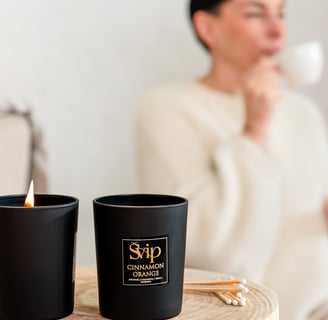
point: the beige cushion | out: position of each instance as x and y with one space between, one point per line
15 154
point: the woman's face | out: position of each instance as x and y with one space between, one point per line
245 30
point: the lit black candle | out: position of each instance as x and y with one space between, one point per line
37 253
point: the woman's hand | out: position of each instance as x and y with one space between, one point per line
261 91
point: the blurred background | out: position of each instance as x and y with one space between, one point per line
84 66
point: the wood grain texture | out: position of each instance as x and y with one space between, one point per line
262 303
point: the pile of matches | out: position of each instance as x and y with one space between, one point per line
229 291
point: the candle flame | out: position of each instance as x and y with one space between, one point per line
29 201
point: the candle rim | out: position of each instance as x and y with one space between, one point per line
179 201
71 201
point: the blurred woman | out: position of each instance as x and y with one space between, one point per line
251 158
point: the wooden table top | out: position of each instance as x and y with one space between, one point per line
262 303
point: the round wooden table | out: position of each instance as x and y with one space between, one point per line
262 303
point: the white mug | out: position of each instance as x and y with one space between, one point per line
302 64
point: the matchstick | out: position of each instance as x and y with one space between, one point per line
223 297
237 299
234 300
212 289
217 282
244 289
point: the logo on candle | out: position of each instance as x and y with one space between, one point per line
147 252
29 201
145 261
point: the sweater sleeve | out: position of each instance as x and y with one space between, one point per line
320 141
313 123
233 189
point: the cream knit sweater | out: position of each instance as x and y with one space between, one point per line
252 213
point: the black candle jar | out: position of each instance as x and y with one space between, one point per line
37 254
140 244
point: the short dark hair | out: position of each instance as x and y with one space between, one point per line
203 5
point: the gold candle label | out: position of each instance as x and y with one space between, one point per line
144 261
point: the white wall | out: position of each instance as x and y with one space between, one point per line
308 21
85 64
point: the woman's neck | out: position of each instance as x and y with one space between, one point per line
223 77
